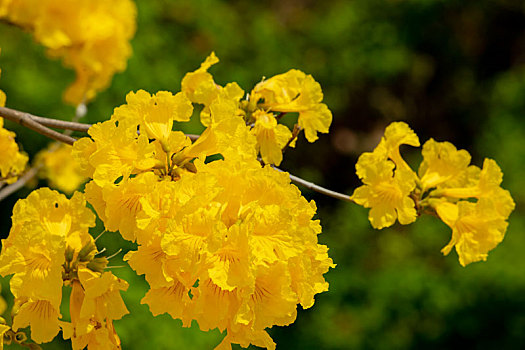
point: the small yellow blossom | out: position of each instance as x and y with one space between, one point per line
94 303
42 316
271 137
199 85
124 203
155 114
477 228
397 134
294 91
118 153
388 180
385 191
443 165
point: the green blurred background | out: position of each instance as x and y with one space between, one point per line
454 70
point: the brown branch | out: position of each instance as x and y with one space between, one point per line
8 190
49 122
61 124
26 119
37 124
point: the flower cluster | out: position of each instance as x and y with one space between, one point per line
59 168
92 37
49 246
12 161
290 92
468 199
221 239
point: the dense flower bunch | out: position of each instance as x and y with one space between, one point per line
92 37
60 169
12 161
291 92
228 243
468 199
224 238
49 246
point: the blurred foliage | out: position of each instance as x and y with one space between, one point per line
454 70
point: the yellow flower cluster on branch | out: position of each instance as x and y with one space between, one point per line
228 243
91 37
12 161
468 199
49 246
291 92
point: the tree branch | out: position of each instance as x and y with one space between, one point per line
37 124
26 119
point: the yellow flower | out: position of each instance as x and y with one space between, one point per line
122 203
102 295
48 233
3 328
479 184
91 37
200 88
94 303
12 161
385 191
42 316
60 169
150 260
295 91
34 250
271 137
155 114
443 165
118 152
236 235
397 134
199 85
477 228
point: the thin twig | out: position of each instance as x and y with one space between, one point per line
317 188
26 119
8 190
